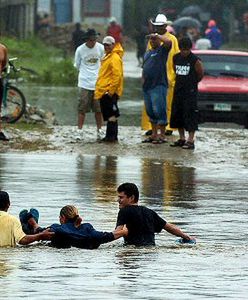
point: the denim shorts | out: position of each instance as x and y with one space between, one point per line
155 103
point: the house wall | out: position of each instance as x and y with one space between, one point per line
17 18
73 11
76 11
117 10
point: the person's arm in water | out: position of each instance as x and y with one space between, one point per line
42 236
173 229
120 231
199 70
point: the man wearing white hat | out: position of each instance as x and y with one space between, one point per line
159 26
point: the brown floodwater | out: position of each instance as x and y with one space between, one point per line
208 202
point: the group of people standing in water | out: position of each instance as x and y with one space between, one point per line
137 224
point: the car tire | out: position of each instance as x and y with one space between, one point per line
246 122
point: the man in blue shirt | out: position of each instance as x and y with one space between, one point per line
155 85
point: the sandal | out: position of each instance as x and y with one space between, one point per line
163 140
178 143
159 141
148 140
189 145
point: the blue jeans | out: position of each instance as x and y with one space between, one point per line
155 103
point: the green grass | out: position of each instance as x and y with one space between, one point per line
48 62
30 127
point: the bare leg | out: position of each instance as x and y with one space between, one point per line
162 131
191 136
154 131
181 133
99 121
81 118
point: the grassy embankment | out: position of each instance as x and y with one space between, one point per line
51 68
48 62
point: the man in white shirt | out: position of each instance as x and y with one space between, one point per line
87 60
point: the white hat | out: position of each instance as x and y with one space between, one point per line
160 20
108 40
112 19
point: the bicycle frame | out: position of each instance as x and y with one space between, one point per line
13 102
6 80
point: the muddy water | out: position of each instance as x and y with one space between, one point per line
212 205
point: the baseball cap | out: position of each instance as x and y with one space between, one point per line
108 40
160 20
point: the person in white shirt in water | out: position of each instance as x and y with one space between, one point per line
87 61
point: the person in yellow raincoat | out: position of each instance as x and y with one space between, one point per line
160 25
109 88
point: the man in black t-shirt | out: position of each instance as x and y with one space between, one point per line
142 222
184 114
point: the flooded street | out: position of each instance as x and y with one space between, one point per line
202 191
205 202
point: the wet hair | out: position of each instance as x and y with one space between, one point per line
185 43
4 200
71 214
129 189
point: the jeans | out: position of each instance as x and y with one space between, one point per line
155 103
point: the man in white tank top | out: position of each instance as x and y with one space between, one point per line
87 60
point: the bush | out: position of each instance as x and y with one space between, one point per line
37 58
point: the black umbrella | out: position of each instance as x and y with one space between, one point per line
191 10
187 22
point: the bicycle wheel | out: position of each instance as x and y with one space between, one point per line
15 105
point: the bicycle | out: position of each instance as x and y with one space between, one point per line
13 102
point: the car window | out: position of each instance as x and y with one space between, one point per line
217 64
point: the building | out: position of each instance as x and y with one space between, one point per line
83 11
17 17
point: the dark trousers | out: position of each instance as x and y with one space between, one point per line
112 131
109 108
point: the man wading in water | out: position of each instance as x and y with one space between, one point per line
142 223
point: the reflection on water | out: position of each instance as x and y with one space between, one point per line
99 174
165 184
210 205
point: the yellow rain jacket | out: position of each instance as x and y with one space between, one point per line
119 49
171 76
110 76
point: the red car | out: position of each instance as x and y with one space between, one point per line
223 91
